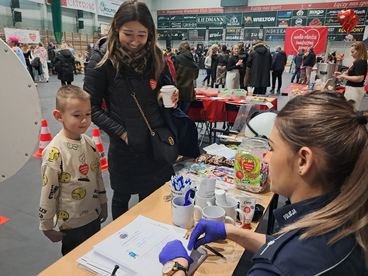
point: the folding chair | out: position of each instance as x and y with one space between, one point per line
231 111
203 126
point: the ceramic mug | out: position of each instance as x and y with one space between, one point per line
215 213
182 216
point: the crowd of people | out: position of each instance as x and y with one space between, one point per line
42 61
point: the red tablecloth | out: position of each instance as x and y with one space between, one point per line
214 109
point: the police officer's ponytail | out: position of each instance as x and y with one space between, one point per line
327 122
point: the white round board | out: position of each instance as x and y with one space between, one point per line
20 113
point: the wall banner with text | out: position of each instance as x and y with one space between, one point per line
297 38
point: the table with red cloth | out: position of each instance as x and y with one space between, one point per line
215 111
294 88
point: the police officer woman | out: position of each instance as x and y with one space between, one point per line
318 158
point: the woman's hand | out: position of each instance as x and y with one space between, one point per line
175 98
212 230
124 137
174 250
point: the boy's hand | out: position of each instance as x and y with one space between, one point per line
103 214
54 236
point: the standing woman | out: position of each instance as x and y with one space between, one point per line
233 66
129 61
207 66
41 52
322 168
356 74
64 65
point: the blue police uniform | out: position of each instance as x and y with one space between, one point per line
286 254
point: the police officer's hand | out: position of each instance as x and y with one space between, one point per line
212 230
173 250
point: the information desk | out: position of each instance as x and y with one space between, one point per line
156 208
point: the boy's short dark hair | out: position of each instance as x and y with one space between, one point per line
67 92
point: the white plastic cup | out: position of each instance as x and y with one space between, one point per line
220 197
167 92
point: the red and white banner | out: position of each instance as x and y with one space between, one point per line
25 36
297 38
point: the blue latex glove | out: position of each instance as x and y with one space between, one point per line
212 230
172 250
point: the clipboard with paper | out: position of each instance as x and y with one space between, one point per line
135 248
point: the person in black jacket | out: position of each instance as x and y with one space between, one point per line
186 73
234 64
128 62
309 61
258 68
298 62
278 66
64 65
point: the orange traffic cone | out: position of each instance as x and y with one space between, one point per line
97 139
45 138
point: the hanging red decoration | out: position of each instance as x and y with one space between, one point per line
348 20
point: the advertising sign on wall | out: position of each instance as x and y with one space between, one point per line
234 20
84 5
255 19
215 34
297 38
25 36
107 7
232 34
210 20
197 34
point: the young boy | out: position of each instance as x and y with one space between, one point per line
73 197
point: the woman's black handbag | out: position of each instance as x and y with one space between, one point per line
163 141
184 130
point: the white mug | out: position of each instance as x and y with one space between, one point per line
182 216
215 213
204 201
231 207
167 92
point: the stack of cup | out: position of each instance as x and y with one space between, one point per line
205 195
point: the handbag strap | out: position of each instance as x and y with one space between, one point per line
132 93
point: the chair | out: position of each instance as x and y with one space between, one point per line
200 118
231 111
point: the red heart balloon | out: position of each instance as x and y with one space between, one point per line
348 20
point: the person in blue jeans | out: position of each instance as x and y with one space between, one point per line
298 62
322 168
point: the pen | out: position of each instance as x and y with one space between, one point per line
214 251
114 271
